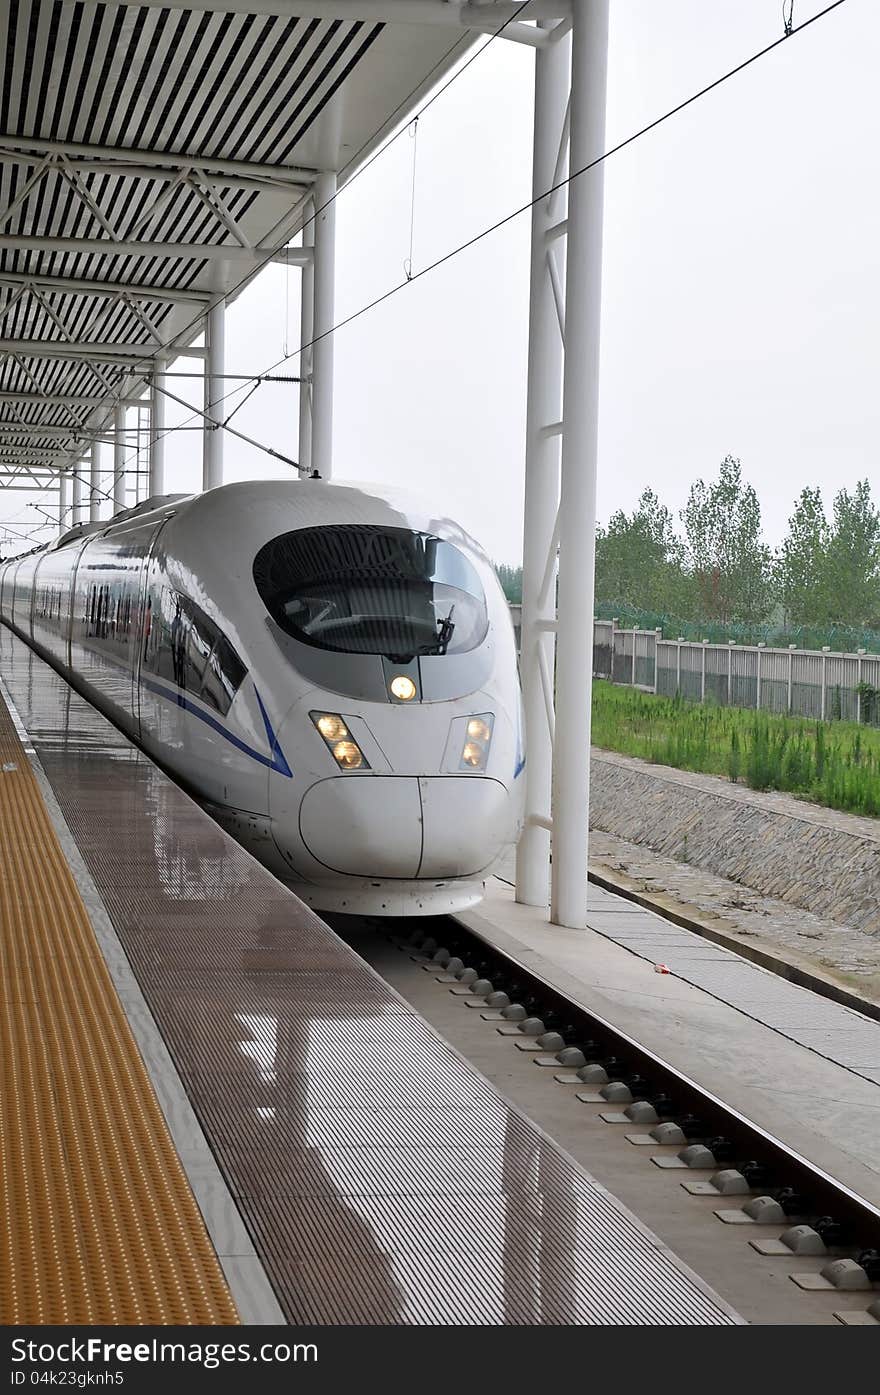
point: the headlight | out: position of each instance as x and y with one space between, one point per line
331 727
403 688
478 739
348 755
478 729
339 741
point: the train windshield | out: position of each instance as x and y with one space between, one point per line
363 589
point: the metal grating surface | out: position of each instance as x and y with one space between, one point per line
382 1178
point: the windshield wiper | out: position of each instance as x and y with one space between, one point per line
445 631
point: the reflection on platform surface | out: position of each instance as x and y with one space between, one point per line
382 1178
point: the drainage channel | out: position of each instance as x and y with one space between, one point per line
782 1241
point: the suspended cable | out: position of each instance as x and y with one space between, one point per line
559 184
485 232
414 136
358 172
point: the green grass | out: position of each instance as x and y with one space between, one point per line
836 764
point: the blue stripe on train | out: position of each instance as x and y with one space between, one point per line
276 761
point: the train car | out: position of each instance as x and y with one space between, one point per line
330 670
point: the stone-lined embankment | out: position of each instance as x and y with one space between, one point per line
817 859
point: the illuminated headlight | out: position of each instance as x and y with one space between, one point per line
348 755
477 740
403 688
331 727
339 741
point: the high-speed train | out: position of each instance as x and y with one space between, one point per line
329 670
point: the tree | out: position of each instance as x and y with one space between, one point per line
802 566
854 558
729 563
639 558
511 581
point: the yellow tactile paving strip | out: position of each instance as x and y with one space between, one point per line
100 1223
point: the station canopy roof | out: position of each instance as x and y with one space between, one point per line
153 155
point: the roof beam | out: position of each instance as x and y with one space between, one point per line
153 164
72 285
50 452
129 355
485 18
60 399
183 251
70 434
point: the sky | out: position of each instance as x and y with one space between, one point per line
740 292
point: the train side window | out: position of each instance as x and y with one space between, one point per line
200 638
163 640
184 646
223 675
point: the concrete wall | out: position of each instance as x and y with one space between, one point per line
806 682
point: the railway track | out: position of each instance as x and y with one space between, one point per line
778 1238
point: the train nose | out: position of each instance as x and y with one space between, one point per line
406 826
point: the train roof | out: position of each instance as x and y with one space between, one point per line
257 510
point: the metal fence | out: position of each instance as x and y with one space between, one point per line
806 682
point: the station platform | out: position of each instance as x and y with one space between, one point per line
804 1069
215 1111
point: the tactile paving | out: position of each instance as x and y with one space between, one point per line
101 1224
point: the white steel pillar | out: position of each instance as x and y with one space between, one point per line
577 507
324 274
306 358
94 483
119 448
157 429
76 512
64 496
212 460
543 411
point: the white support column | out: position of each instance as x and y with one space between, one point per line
64 497
94 483
120 445
76 515
212 460
577 508
543 408
157 429
307 358
324 274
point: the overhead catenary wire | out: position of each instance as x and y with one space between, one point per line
231 429
414 135
180 334
554 188
499 223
